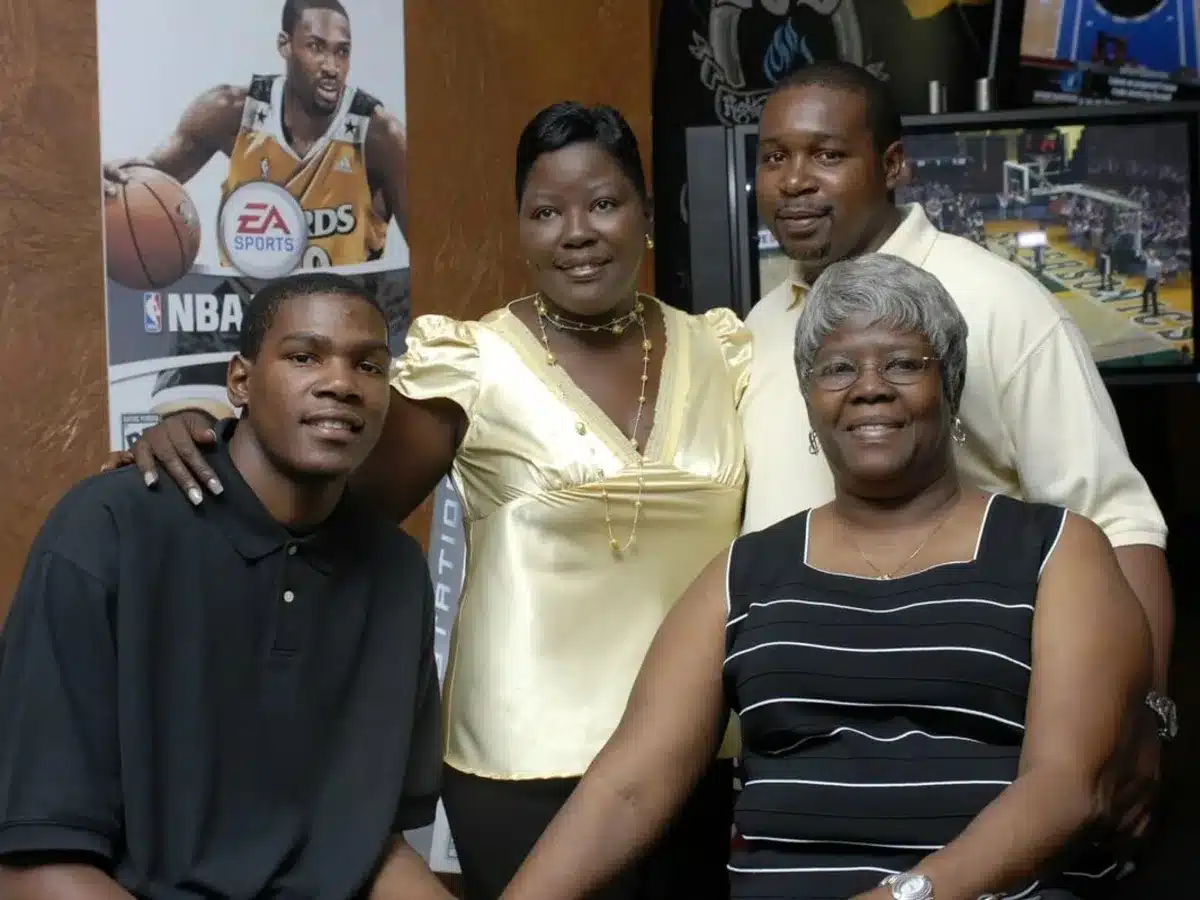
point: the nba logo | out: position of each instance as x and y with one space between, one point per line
152 312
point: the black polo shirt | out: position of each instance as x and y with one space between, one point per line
208 706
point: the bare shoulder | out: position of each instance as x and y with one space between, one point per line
1082 571
1086 606
387 129
1082 539
217 111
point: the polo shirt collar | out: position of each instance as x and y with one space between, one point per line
912 240
250 527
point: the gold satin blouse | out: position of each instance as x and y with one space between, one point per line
552 624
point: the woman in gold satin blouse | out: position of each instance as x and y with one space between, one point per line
593 436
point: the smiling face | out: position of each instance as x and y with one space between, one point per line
317 390
583 228
882 438
822 184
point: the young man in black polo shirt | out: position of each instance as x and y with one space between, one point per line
235 700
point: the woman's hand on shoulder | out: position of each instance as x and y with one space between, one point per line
174 444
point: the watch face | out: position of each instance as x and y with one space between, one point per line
912 887
1164 708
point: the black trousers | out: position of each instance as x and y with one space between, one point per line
496 823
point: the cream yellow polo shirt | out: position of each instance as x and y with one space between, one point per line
1040 425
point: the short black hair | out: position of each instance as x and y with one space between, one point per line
294 9
260 312
562 124
883 114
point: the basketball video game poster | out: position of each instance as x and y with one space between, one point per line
241 141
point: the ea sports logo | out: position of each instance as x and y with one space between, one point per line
263 230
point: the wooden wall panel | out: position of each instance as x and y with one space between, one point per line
53 422
477 72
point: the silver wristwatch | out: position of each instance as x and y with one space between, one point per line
907 886
1164 709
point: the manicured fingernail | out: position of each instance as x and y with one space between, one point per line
150 478
195 496
215 486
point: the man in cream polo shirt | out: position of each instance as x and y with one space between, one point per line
1038 420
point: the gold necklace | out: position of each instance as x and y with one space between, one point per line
616 326
881 575
613 326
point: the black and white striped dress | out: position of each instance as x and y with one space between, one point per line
879 717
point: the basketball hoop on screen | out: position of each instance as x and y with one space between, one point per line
1016 183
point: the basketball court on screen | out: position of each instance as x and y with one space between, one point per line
1160 35
1111 321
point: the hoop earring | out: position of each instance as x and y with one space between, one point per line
958 434
649 242
813 446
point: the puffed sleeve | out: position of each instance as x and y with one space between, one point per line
441 361
736 346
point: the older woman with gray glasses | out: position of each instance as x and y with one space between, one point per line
935 685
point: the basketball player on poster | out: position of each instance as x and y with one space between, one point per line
331 146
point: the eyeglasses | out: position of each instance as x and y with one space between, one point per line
840 374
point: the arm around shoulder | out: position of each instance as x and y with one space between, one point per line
434 388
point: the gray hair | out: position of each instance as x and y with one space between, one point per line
883 289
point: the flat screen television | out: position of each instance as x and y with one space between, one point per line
1081 51
1099 203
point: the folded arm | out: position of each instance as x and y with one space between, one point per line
669 734
1091 669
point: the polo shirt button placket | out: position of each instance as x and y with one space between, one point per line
288 629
